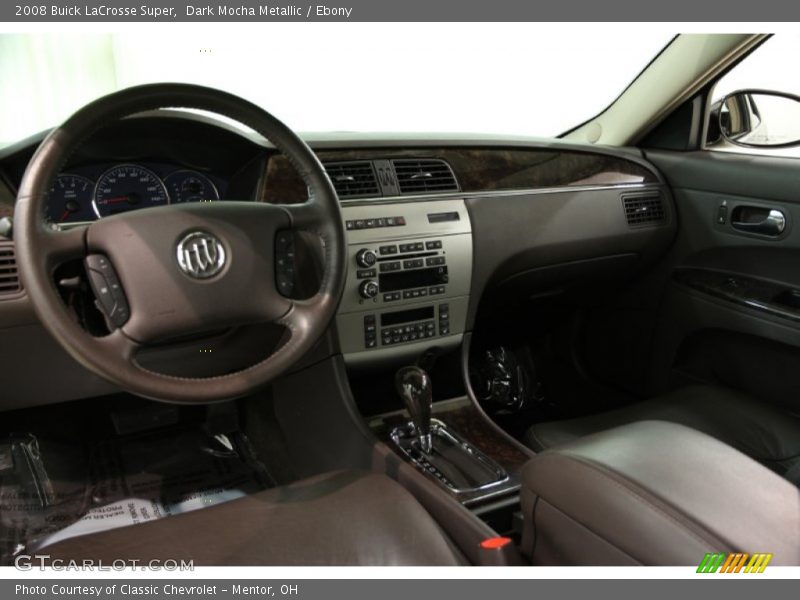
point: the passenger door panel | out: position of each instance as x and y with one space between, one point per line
731 308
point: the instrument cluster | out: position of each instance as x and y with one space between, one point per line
93 192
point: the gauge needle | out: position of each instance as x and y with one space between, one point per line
116 199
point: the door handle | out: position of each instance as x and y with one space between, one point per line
774 223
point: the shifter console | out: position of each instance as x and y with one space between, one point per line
433 447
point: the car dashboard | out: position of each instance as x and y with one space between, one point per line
439 229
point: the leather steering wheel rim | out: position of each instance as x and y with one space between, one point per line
153 233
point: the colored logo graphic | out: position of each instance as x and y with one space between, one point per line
735 562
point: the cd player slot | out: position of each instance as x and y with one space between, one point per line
405 256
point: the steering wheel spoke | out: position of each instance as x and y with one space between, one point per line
118 344
60 246
307 216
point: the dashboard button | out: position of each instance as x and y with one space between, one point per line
368 289
390 266
434 245
366 258
384 250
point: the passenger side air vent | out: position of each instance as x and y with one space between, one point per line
643 209
353 179
9 279
422 176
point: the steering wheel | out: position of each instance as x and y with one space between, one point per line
181 269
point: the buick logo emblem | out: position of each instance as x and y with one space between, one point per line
201 255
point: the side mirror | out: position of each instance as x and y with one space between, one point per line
758 119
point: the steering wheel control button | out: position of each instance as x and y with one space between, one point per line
201 255
285 263
107 289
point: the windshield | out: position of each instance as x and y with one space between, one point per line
468 78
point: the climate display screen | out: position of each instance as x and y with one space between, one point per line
406 316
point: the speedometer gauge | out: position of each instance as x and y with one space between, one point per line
128 187
190 186
70 199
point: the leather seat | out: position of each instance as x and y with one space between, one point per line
764 433
654 493
343 518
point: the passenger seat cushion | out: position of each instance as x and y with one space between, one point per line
757 429
342 518
654 493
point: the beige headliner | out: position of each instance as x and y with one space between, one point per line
680 71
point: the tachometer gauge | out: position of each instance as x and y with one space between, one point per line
190 186
70 199
128 187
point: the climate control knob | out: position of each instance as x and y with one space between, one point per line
368 289
366 258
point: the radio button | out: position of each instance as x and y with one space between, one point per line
366 258
384 250
413 263
434 261
364 273
435 245
368 289
390 266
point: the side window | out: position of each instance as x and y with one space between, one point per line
755 107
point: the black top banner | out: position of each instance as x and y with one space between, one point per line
402 10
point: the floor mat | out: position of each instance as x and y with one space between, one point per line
51 490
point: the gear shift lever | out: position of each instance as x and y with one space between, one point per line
414 386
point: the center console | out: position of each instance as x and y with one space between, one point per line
407 293
408 282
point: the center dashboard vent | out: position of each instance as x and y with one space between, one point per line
422 176
353 179
9 278
644 209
